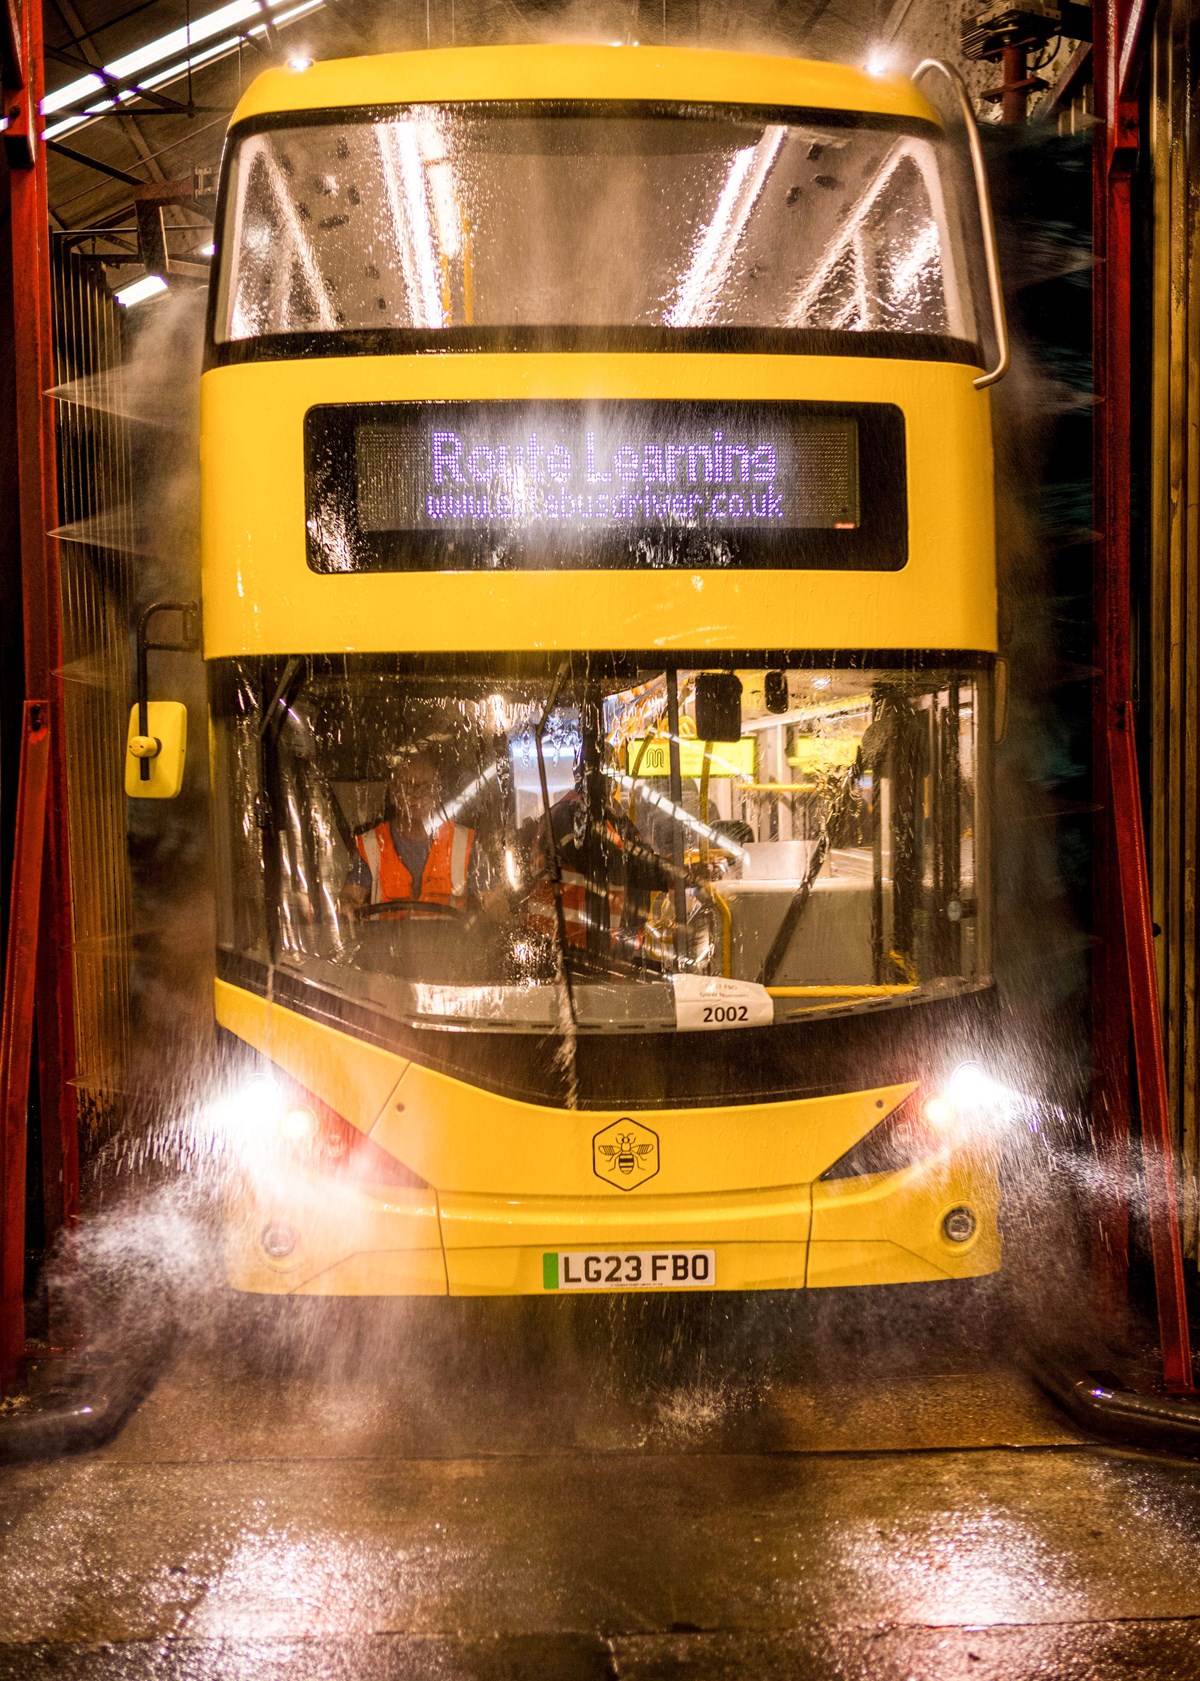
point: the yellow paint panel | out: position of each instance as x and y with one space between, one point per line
886 1228
333 1224
414 1272
380 1272
521 1181
695 1222
353 1078
261 597
581 72
855 1262
462 1139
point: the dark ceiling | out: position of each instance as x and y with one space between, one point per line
179 126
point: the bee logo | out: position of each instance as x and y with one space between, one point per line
625 1155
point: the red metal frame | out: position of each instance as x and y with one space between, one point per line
1125 990
16 1026
17 50
37 514
1158 1159
1110 345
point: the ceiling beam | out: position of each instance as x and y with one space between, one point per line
269 28
74 23
109 23
97 164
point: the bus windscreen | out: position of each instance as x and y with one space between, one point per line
474 486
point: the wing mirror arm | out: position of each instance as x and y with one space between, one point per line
986 219
158 729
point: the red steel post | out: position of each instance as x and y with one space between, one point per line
1158 1150
1110 1007
1014 84
1126 988
16 1027
41 599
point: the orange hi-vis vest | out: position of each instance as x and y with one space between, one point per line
444 878
541 915
541 912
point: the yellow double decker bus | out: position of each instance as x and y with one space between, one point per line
600 611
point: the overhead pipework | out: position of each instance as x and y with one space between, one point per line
1006 35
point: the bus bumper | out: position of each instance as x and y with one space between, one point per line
499 1185
879 1229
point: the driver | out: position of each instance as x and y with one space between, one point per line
415 854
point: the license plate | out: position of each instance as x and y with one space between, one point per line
630 1269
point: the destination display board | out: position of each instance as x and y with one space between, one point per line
477 486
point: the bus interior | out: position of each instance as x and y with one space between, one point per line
828 850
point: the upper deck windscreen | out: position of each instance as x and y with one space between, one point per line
436 217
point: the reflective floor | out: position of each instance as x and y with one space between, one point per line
473 1491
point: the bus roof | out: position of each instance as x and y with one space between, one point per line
591 72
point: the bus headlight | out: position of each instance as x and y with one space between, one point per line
972 1087
987 1106
940 1115
299 1126
273 1120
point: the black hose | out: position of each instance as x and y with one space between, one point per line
1101 1403
85 1413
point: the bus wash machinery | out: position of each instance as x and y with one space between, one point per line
721 738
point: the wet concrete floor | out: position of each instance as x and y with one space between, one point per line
460 1493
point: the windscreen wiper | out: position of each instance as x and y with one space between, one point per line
560 915
266 801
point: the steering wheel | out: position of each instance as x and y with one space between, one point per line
421 909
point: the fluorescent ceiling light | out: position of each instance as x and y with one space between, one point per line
208 250
149 286
164 49
154 52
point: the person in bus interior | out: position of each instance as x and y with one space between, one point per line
630 872
416 853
